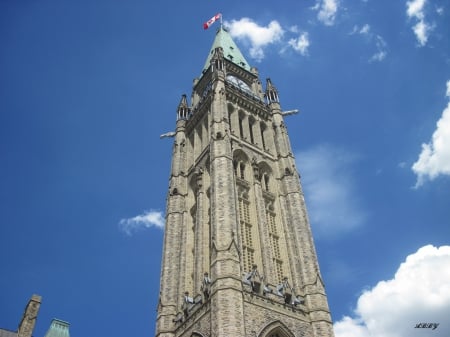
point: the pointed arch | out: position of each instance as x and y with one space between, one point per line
276 329
197 334
265 172
241 164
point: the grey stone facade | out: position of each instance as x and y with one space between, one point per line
235 210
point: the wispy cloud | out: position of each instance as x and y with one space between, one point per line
417 293
434 160
258 36
380 44
415 10
327 10
364 30
330 190
381 52
147 219
300 44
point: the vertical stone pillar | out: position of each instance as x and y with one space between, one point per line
227 318
175 214
304 264
26 325
199 252
234 122
257 134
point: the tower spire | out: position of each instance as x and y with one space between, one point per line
231 51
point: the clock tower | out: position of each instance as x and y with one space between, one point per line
238 258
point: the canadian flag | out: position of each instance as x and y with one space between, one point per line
211 21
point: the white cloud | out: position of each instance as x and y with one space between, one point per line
365 29
419 292
327 11
330 190
415 10
300 44
434 160
146 220
421 29
381 53
258 36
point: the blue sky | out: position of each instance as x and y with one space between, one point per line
87 87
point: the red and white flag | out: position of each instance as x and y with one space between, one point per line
212 20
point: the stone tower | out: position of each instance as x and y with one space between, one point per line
238 258
26 325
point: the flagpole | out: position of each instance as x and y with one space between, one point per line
221 24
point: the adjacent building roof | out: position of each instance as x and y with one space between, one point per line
230 51
7 333
58 328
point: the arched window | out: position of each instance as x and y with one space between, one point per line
239 169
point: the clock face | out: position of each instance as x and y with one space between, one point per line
239 83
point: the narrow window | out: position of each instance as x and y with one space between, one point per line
250 127
263 129
241 128
242 170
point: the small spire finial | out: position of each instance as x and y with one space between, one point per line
271 92
183 109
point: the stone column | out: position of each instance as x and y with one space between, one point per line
29 317
175 214
227 318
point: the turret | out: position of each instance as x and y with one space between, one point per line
271 92
58 328
183 109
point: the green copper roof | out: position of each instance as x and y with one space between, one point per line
230 51
58 328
